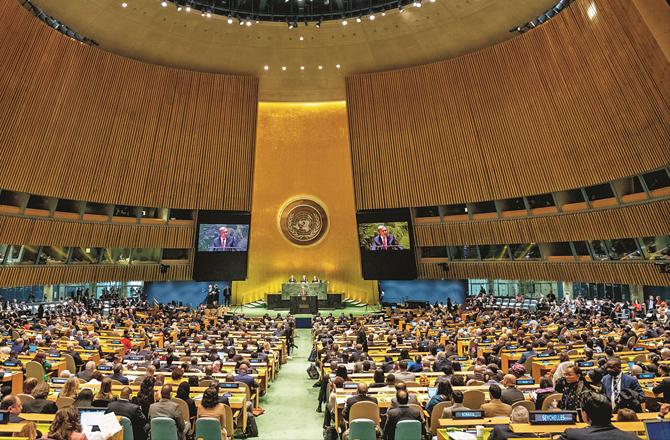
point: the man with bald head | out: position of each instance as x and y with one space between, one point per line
511 393
124 407
360 396
167 408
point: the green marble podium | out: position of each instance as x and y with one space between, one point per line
320 290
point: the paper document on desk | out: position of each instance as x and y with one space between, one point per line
102 426
459 435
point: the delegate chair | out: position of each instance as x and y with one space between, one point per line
473 399
530 406
207 428
230 427
164 428
25 398
550 398
365 410
435 415
362 429
64 402
34 369
127 428
408 430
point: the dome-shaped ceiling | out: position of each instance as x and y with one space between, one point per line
306 63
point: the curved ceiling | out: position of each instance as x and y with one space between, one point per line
438 30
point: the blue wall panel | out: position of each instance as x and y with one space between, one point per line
424 290
189 293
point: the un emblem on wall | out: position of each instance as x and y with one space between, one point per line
303 222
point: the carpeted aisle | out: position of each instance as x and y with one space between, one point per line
290 403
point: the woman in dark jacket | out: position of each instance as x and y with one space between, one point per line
145 397
545 389
184 393
574 388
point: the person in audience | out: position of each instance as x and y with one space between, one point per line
13 406
402 374
211 407
546 388
496 407
66 425
70 388
84 399
504 432
626 415
413 399
184 393
167 408
402 412
118 374
378 379
529 353
104 394
96 379
448 412
40 403
511 394
78 362
443 393
122 407
574 388
145 397
244 377
615 382
29 385
360 396
87 372
597 411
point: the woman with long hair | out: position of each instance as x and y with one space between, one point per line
66 425
184 393
71 388
212 408
442 394
84 399
104 394
145 397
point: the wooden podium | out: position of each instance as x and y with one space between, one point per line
304 304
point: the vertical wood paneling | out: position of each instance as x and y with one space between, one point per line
77 122
572 103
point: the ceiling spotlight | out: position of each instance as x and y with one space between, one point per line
209 15
337 66
320 67
248 23
188 9
344 22
318 24
358 20
302 67
230 20
283 67
124 5
266 67
302 38
164 4
372 17
417 4
178 8
383 14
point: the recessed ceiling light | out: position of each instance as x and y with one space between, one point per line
591 11
344 22
178 8
302 67
337 66
248 22
209 14
230 20
266 67
302 38
383 14
164 4
188 9
358 20
283 67
124 5
372 17
320 67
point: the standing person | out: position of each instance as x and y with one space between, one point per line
615 382
224 242
384 240
227 296
574 388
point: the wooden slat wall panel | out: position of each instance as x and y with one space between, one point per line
646 274
77 122
51 232
641 220
572 103
34 275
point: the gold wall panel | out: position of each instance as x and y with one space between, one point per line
577 101
302 150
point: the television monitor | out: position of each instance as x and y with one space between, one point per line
585 364
553 417
525 381
544 355
105 368
10 363
657 429
468 414
386 244
59 380
638 348
646 376
350 386
221 248
90 418
229 385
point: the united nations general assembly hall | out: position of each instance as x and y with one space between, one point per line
334 219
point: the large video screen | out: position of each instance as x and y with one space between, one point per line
385 240
222 244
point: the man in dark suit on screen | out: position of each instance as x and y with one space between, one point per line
384 241
224 242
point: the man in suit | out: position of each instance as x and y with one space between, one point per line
403 375
511 393
384 241
167 408
615 381
87 372
503 432
78 361
244 377
13 405
496 408
40 404
118 369
411 399
224 242
123 407
402 412
596 410
448 412
361 396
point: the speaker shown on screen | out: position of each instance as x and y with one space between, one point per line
221 246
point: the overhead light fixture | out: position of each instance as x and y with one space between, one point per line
124 5
164 4
320 67
337 66
318 24
230 20
345 22
372 17
591 11
302 67
266 67
283 67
